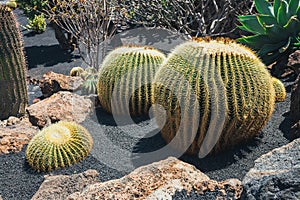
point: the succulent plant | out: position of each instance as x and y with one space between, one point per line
37 24
125 77
13 88
280 92
58 145
76 71
89 85
276 28
216 94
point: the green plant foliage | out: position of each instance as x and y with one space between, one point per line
276 28
13 88
204 83
280 91
58 146
32 7
37 24
125 77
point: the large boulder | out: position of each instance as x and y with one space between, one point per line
61 186
15 133
60 106
275 175
162 180
54 82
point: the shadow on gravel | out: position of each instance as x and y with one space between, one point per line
286 125
47 56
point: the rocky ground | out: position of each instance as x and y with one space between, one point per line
114 168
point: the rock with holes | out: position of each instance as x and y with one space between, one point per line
162 180
275 175
61 186
63 105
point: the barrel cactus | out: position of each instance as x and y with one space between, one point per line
13 89
280 92
58 145
76 71
125 78
216 94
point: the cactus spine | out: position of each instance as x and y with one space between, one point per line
280 92
229 83
125 78
13 88
58 145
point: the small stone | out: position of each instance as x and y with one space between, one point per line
60 106
12 121
36 100
54 82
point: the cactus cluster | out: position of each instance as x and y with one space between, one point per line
125 79
216 94
13 88
58 145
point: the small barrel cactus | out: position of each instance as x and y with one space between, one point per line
76 71
280 92
125 78
58 145
216 94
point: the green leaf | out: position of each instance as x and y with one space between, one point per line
292 26
293 6
276 33
268 48
251 24
254 41
266 20
276 6
282 13
286 46
298 13
264 7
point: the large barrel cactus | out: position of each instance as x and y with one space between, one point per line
216 94
58 145
13 88
125 78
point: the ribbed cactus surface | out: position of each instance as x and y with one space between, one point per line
13 88
58 145
125 78
280 92
216 94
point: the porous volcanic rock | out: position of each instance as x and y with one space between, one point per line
54 82
16 134
296 130
295 100
161 180
275 175
294 61
61 186
63 105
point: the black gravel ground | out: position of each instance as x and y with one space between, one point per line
116 152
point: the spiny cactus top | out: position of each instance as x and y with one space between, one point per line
58 145
216 94
125 78
13 88
280 92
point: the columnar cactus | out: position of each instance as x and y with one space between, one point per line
125 78
13 88
280 92
58 145
216 94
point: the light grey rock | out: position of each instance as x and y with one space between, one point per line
160 180
275 175
61 186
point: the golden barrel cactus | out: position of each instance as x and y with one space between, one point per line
58 146
216 94
125 79
280 92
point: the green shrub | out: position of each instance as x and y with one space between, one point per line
37 24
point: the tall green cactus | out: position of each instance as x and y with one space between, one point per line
13 88
125 77
216 94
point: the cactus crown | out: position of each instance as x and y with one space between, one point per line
280 92
125 77
58 146
230 84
